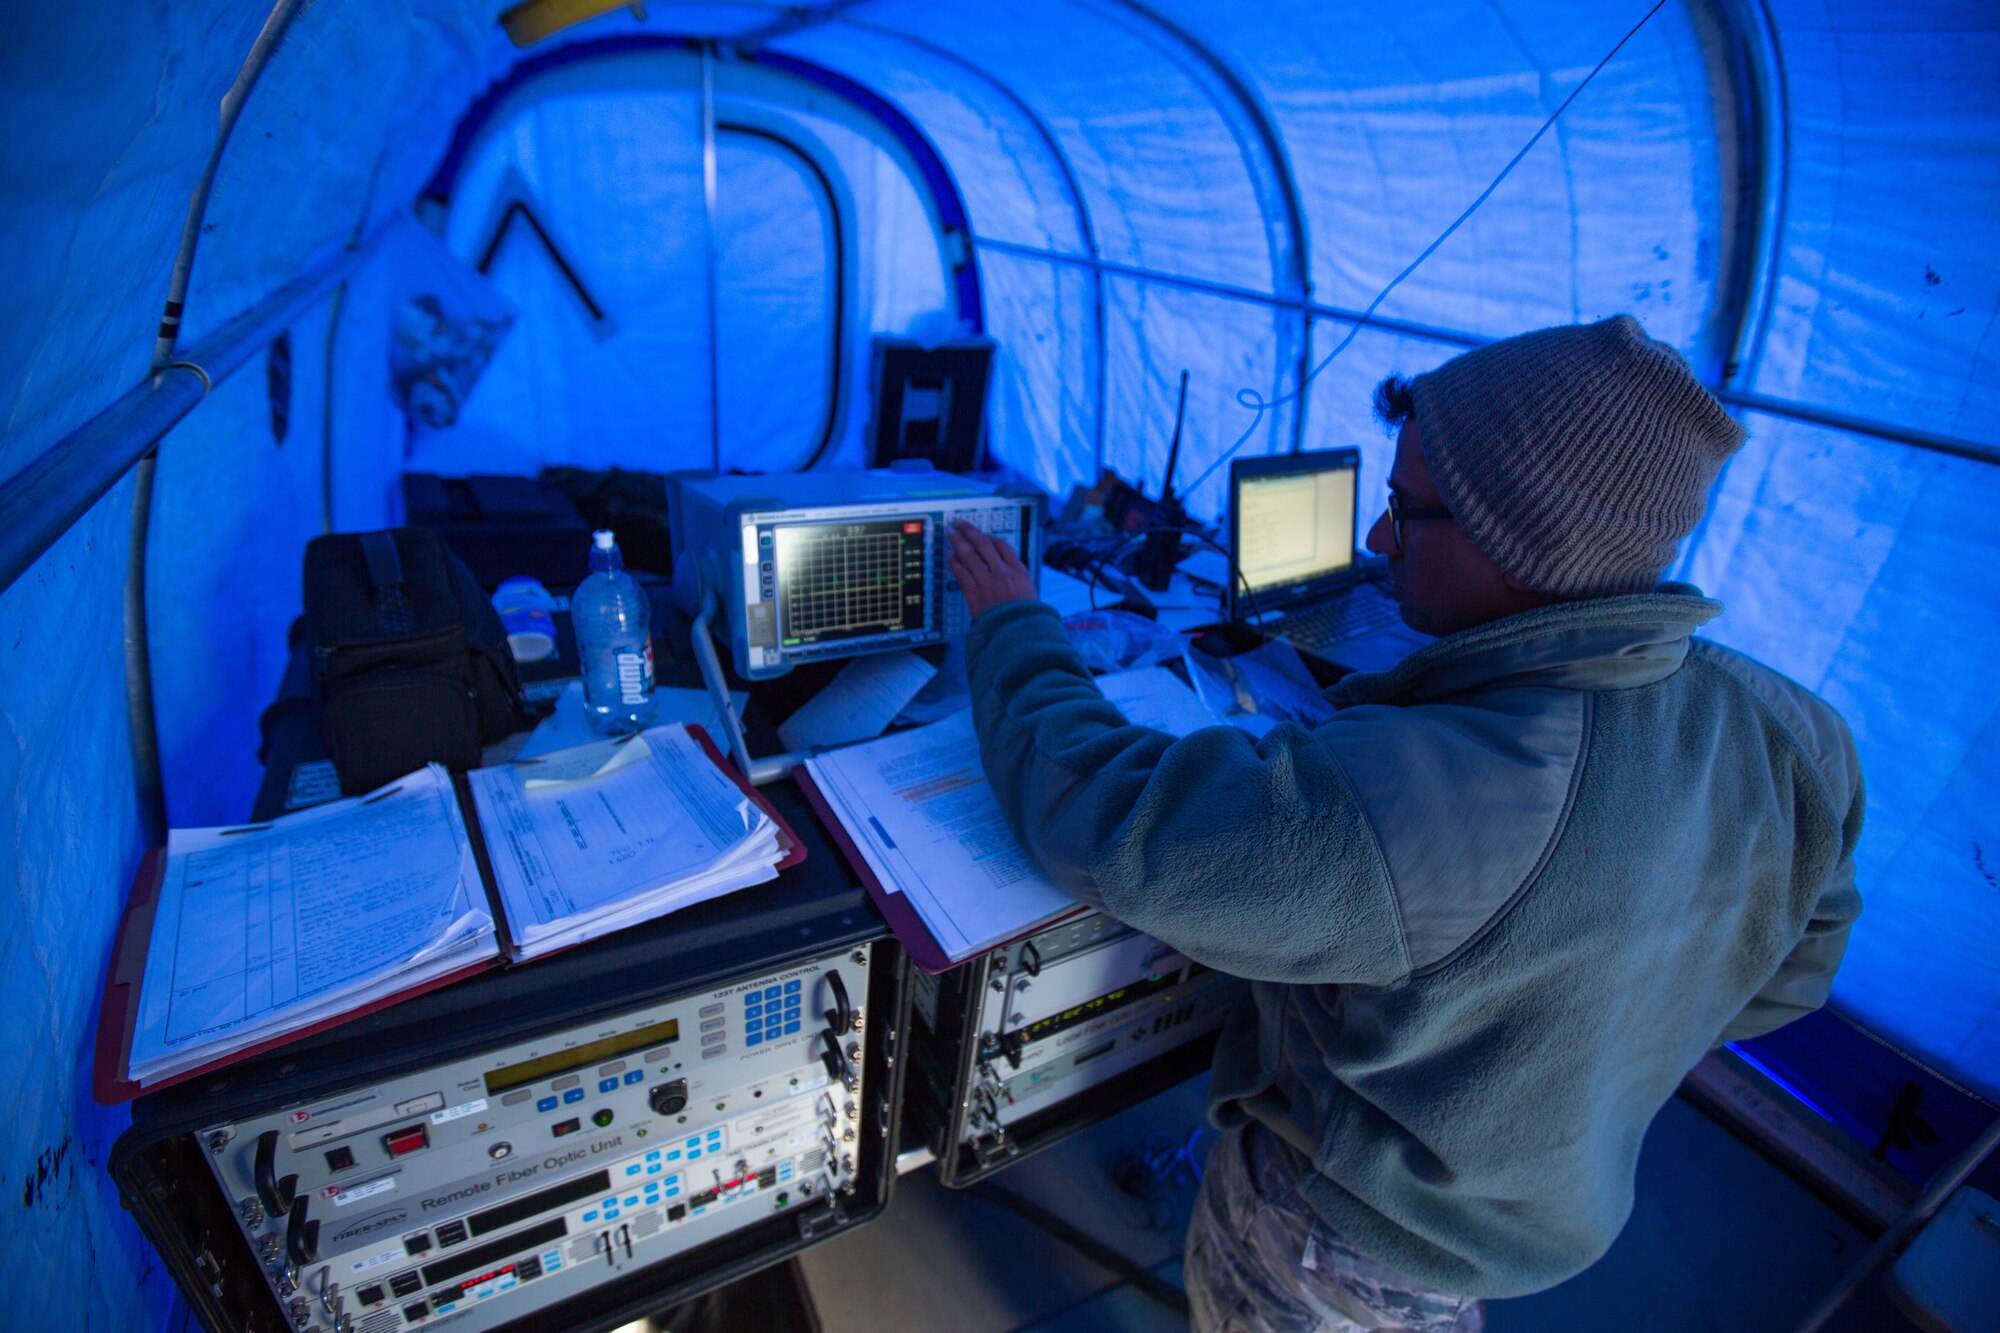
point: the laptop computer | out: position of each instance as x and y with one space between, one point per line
1291 540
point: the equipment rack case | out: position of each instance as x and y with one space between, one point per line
815 911
1168 1025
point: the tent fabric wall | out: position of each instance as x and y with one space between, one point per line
70 839
233 508
1390 125
1862 567
609 153
1152 185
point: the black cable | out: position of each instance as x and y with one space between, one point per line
1118 549
1259 404
570 275
1096 1251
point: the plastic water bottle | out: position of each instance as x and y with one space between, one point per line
614 640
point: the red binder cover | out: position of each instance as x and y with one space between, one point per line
795 851
903 919
110 1076
118 1016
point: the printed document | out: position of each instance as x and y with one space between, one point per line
1155 697
858 703
270 928
917 807
919 811
602 836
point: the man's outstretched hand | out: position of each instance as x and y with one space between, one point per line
989 572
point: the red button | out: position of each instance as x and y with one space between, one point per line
406 1140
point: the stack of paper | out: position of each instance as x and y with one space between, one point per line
268 929
591 839
917 809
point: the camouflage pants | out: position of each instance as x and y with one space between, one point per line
1259 1260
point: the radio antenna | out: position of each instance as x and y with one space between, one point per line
1174 450
1259 404
1162 549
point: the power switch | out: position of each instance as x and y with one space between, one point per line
408 1139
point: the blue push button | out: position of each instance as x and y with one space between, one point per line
790 1028
753 1024
791 988
632 1170
632 1201
771 993
611 1214
590 1216
607 1085
573 1095
546 1104
636 1076
791 1015
653 1170
653 1156
754 1039
752 1010
715 1136
694 1142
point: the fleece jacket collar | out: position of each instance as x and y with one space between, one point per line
1604 643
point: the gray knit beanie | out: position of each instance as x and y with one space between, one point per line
1576 458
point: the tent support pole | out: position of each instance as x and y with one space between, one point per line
1295 264
1905 1227
145 735
45 499
708 186
1957 446
1763 139
1086 229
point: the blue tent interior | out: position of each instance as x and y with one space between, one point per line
731 199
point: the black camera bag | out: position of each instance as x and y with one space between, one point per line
411 659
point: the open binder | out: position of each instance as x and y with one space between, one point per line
495 943
914 816
911 932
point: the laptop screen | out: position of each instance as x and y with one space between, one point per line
1295 526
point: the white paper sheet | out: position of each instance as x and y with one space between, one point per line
637 830
1155 697
1069 595
918 807
859 702
265 929
580 763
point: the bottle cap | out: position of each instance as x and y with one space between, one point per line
603 539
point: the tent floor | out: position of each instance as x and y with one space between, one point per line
1720 1241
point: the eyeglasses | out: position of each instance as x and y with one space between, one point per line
1401 513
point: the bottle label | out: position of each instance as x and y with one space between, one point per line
635 676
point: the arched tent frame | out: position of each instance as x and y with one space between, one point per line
1782 327
749 95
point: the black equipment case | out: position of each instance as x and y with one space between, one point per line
1023 1046
814 911
413 663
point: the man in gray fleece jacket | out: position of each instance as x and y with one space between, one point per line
1498 906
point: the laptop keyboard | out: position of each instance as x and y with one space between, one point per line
1322 627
